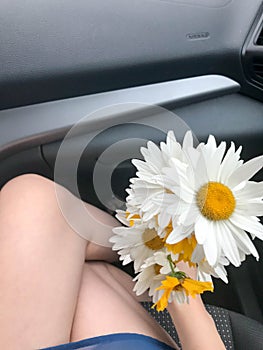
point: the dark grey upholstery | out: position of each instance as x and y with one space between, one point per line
237 331
247 333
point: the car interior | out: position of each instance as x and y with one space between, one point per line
78 77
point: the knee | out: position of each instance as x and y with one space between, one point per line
24 181
34 200
24 191
29 204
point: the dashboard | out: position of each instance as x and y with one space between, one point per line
59 49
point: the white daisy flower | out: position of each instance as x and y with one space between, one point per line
151 191
136 243
219 201
152 272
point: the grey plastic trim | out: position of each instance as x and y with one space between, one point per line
30 126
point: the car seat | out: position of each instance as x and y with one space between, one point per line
237 331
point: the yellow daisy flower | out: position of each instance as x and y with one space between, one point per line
184 249
173 284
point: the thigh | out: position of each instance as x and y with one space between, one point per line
41 262
107 304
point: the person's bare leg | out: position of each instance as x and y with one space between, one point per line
106 222
107 304
41 262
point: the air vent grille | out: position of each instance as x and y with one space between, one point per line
258 67
260 38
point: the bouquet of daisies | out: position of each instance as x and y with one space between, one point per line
190 204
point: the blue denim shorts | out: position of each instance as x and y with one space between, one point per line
118 341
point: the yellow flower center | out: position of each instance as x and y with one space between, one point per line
152 240
215 201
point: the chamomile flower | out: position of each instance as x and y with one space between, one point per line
152 272
144 187
150 192
220 203
136 243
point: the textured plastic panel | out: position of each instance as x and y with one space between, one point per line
230 118
56 49
28 161
30 126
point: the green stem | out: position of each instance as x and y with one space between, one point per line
169 258
178 274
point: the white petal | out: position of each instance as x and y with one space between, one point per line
148 215
249 224
189 216
250 209
214 166
201 174
172 173
191 156
221 273
126 259
172 147
198 254
177 235
229 163
212 249
139 164
211 143
245 171
252 190
178 166
243 241
186 194
188 140
163 218
201 229
147 205
229 247
203 277
213 156
155 155
170 137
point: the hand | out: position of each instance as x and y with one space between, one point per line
190 271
